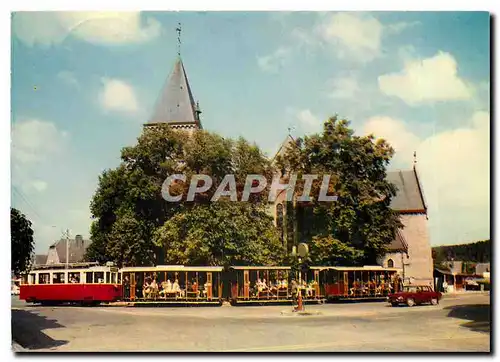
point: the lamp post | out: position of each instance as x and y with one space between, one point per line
300 252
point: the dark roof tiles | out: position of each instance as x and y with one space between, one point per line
409 196
176 104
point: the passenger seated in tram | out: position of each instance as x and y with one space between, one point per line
258 285
153 288
273 287
355 288
176 288
146 289
168 286
264 285
284 284
310 288
204 291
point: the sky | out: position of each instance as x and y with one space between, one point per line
83 84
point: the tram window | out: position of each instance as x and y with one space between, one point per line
31 278
74 278
108 277
99 277
58 278
119 277
43 278
113 277
88 278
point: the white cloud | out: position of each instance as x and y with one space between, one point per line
344 87
404 142
308 122
117 95
455 171
273 62
34 140
427 80
353 36
48 28
69 78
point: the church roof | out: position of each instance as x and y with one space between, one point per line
175 104
284 147
409 197
399 243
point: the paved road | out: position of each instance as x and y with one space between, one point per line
459 323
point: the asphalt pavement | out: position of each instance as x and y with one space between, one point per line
458 323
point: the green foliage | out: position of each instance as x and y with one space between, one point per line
478 252
22 243
222 233
334 252
134 225
360 224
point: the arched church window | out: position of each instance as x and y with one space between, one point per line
390 263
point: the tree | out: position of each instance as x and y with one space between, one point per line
22 242
134 225
222 233
357 227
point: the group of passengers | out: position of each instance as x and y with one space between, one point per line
373 288
152 289
274 288
74 278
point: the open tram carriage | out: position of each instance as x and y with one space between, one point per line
272 284
172 284
357 283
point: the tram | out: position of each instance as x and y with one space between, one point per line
356 283
83 283
172 284
92 284
272 284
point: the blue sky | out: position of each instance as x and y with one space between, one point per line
84 83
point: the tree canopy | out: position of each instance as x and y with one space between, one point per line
357 227
134 225
22 242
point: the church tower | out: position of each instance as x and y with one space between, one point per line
175 105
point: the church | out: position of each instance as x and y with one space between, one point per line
410 251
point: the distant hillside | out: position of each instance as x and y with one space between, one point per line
479 252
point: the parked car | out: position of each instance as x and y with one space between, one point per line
413 295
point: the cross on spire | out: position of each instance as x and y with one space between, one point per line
178 30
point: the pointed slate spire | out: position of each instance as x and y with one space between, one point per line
175 104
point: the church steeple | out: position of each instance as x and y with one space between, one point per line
175 105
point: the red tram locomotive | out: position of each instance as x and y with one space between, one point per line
84 283
91 284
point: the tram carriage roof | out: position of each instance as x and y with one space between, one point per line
160 268
354 268
260 267
63 266
97 268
